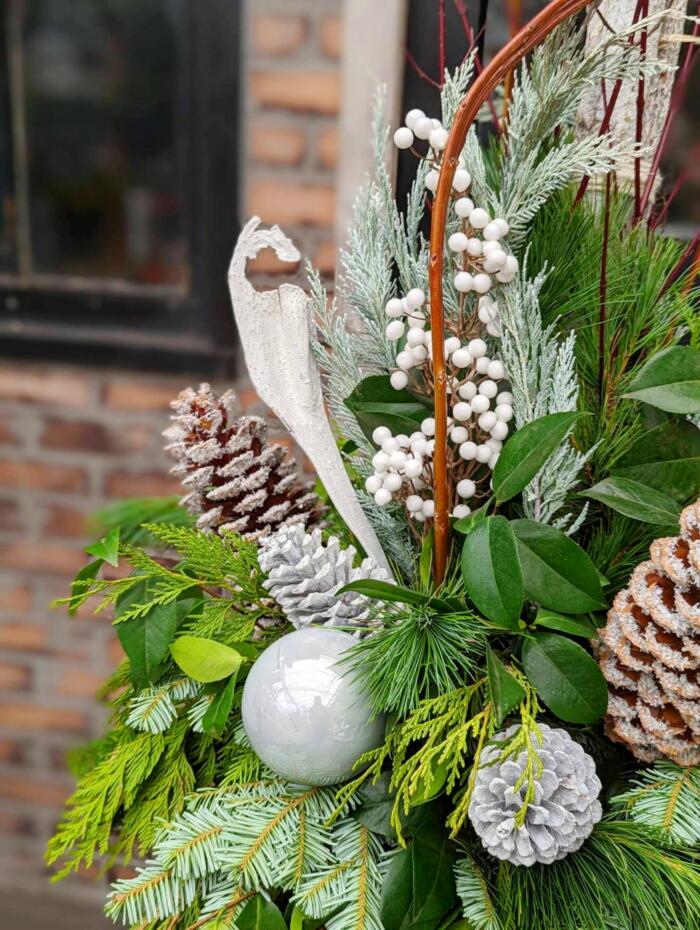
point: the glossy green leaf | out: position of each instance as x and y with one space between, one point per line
419 889
527 451
666 458
557 573
566 677
261 914
575 626
491 571
219 711
392 593
636 500
146 639
425 562
106 548
375 403
86 573
375 806
670 380
466 524
205 659
506 692
430 787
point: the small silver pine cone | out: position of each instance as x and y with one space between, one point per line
236 480
304 574
564 811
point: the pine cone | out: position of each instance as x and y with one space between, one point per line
304 574
235 479
650 651
563 814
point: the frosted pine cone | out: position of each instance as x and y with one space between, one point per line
563 814
304 574
650 651
235 479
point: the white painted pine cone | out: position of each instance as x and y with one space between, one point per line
564 811
304 574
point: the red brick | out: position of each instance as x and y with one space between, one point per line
266 262
290 203
77 682
38 476
23 637
52 559
10 519
141 484
8 436
36 717
64 521
44 387
332 36
11 751
325 258
277 35
327 148
14 596
302 91
76 436
275 145
46 793
139 395
14 677
14 824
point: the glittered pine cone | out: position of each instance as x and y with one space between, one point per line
650 651
565 807
235 479
304 574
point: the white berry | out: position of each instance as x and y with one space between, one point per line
459 435
504 412
468 390
480 404
431 180
413 116
483 454
466 488
413 468
397 459
464 282
373 484
394 307
382 497
419 353
492 461
493 231
428 426
496 370
428 508
468 451
462 411
452 343
474 247
477 347
505 397
415 298
380 462
399 380
380 435
482 364
488 388
422 127
461 358
390 444
392 481
495 445
482 283
495 260
414 503
415 337
464 207
405 360
478 218
461 180
461 510
487 421
499 430
505 228
403 138
395 330
458 242
438 139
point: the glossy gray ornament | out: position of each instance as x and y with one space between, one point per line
304 713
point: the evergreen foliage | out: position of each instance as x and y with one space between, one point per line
666 797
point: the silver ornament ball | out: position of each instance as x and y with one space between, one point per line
304 713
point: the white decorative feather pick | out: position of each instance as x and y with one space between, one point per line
275 329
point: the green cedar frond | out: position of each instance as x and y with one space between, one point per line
666 797
417 653
349 884
154 709
474 893
622 876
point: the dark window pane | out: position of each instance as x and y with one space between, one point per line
102 110
8 206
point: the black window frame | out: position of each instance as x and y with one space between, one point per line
114 322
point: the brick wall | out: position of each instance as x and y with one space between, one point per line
73 438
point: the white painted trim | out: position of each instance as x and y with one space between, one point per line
373 54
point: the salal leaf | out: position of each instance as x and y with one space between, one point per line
106 548
419 888
466 524
666 458
527 451
566 677
670 380
491 571
146 638
557 573
575 626
204 659
261 914
219 711
506 692
375 403
636 500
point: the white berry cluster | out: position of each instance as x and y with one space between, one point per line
402 467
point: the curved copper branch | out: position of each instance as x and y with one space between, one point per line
508 58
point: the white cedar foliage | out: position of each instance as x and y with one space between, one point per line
154 709
473 892
255 837
666 797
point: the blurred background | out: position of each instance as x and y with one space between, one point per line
135 136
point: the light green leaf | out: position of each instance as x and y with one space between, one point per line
506 693
205 659
491 571
566 677
670 380
575 626
556 572
106 548
527 451
636 500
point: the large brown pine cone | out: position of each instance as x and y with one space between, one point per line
235 479
650 651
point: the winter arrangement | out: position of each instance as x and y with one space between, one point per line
456 682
